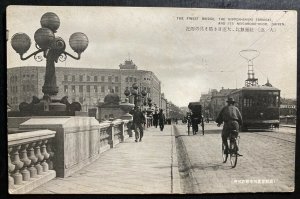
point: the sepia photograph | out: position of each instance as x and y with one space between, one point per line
150 100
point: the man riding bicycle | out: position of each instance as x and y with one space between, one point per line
232 119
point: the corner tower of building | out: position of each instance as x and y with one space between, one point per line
128 64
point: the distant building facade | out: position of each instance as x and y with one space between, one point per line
218 100
85 85
288 107
205 100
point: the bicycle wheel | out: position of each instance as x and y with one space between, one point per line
233 152
224 156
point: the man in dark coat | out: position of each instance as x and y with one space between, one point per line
155 119
232 119
161 120
138 121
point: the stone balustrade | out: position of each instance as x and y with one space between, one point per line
79 140
62 145
30 156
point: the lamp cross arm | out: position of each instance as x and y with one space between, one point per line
32 54
77 58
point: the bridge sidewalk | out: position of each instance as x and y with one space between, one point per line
149 166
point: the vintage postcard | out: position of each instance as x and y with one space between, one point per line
136 100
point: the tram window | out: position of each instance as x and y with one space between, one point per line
248 102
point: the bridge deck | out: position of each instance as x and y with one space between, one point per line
149 166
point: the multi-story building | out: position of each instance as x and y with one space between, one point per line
164 105
205 101
85 85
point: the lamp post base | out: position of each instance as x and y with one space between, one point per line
48 106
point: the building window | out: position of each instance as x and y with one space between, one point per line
109 89
27 88
134 79
95 78
109 78
88 78
116 79
65 77
32 76
80 89
73 99
73 89
102 78
32 87
88 88
102 89
24 88
126 79
95 89
116 89
80 78
130 79
66 88
73 78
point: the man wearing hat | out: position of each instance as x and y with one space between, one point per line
138 121
232 119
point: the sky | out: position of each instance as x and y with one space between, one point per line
187 62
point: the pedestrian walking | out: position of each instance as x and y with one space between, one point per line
138 121
232 119
161 120
155 119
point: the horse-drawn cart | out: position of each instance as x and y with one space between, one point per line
195 117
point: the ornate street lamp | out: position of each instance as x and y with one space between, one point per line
52 48
138 96
149 103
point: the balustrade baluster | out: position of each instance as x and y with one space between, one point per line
51 154
25 173
18 165
46 155
11 168
33 158
40 158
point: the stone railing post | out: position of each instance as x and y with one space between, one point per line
46 156
18 165
122 131
25 172
11 168
40 158
31 156
51 152
111 131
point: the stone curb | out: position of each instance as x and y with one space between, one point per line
188 181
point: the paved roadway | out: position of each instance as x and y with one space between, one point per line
267 165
